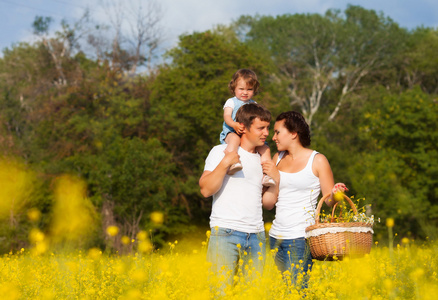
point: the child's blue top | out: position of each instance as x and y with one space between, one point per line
235 104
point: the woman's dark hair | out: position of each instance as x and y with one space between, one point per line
295 122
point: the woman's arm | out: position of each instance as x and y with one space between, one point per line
323 170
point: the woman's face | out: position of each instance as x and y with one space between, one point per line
282 137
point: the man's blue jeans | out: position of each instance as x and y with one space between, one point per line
227 247
294 256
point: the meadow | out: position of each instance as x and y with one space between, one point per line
179 271
52 267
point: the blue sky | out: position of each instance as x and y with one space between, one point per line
186 16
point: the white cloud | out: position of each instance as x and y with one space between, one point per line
186 16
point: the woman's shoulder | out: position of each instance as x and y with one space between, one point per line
319 155
320 161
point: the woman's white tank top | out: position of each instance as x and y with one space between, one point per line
297 199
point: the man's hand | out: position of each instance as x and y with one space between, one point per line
211 181
230 158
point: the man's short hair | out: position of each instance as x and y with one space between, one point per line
248 112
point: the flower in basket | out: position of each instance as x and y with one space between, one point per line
344 213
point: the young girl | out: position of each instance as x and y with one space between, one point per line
244 85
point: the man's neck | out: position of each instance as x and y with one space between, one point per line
245 145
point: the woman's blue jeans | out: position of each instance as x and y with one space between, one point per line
294 256
227 246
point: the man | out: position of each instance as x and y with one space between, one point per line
236 219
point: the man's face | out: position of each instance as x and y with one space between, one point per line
258 132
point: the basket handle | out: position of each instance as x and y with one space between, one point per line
318 208
333 212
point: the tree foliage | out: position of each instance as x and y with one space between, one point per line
315 54
139 141
402 134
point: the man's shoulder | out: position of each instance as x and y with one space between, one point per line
218 148
248 155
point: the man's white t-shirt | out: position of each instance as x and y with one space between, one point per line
238 203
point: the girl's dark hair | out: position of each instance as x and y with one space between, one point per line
295 122
248 76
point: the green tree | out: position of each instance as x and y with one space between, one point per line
396 165
418 63
315 54
129 179
188 95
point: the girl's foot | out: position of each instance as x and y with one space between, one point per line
268 181
235 168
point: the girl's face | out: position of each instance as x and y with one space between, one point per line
243 91
282 137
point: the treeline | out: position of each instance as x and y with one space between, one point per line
367 86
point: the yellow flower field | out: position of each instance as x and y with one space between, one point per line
179 270
408 272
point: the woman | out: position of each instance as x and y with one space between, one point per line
304 173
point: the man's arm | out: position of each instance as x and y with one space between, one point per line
211 181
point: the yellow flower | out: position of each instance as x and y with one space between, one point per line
36 235
405 240
34 214
157 217
145 246
94 253
125 240
390 222
138 275
338 196
142 235
40 248
112 230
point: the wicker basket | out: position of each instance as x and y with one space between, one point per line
330 240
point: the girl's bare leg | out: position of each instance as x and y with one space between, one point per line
233 143
265 155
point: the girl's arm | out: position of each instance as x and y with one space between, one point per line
238 128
